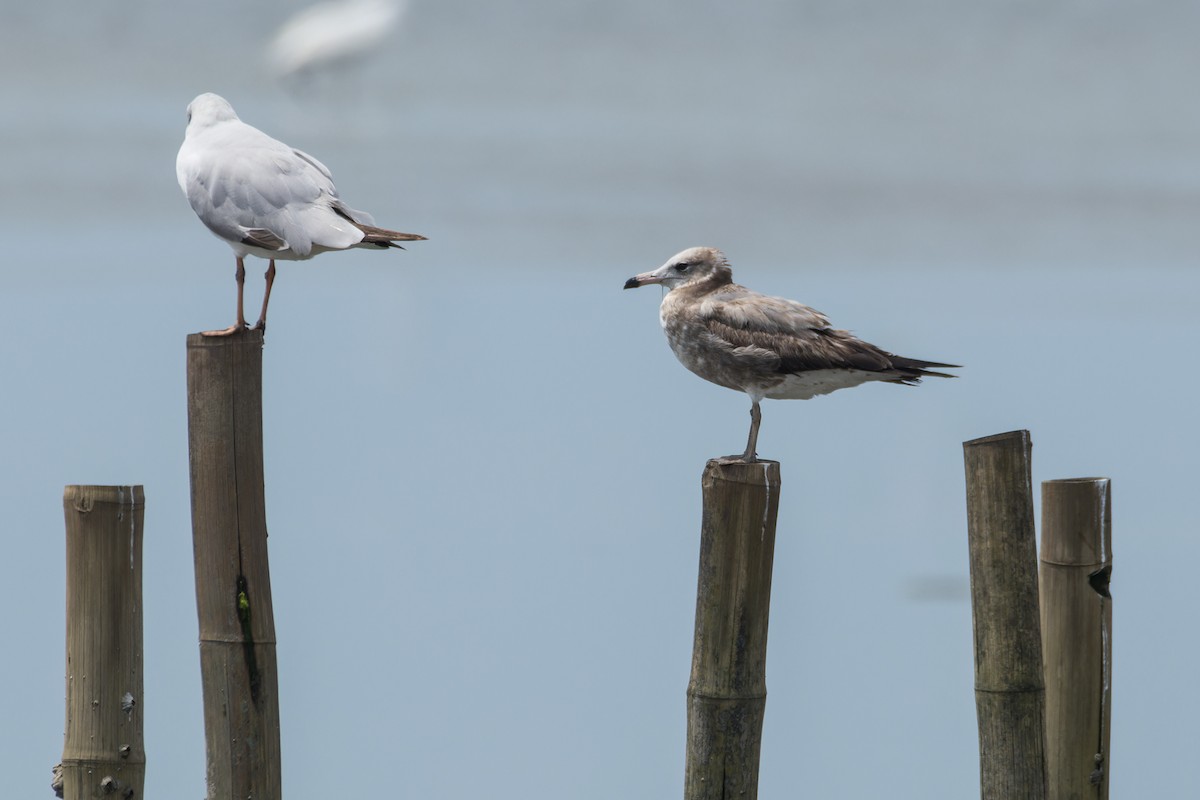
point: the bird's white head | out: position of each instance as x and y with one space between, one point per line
209 109
692 265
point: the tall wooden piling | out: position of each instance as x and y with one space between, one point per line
1076 564
727 693
233 583
103 751
1009 687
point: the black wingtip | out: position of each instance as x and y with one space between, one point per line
923 369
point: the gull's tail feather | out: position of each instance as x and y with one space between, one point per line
915 369
382 237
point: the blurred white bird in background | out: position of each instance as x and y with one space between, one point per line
332 33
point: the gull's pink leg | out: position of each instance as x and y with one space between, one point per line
262 318
755 418
240 325
750 456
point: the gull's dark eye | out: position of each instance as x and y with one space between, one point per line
684 267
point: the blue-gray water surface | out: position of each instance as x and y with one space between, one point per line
482 461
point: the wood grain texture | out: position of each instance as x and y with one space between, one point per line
727 691
1009 687
104 753
1076 563
233 583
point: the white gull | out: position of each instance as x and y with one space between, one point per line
767 347
265 198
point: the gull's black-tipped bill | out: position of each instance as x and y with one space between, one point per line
643 279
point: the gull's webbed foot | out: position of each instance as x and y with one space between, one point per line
232 330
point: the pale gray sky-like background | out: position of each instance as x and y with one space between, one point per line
482 460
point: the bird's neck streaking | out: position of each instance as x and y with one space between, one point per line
701 285
676 301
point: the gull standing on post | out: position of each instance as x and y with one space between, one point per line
265 198
763 346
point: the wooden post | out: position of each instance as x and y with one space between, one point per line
727 693
233 583
104 753
1009 688
1077 634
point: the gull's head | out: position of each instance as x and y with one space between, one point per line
208 109
691 266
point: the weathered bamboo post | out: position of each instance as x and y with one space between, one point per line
1077 635
1009 687
727 693
233 584
103 752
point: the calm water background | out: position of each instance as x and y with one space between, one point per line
483 462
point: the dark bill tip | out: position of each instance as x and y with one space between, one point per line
632 283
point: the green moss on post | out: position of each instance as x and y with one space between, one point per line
233 582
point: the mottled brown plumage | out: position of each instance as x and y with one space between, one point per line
767 347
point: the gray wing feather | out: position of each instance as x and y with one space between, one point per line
242 183
784 336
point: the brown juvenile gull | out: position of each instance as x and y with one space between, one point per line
265 198
763 346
